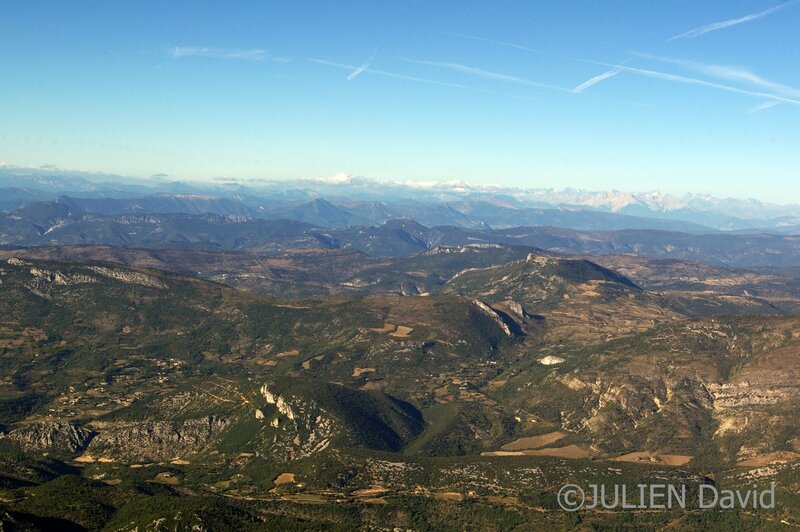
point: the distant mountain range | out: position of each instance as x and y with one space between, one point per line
475 214
57 223
346 201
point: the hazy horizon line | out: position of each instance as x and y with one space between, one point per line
343 179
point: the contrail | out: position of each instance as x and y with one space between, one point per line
360 70
665 76
703 83
597 79
726 23
246 54
492 41
762 106
467 69
733 73
418 79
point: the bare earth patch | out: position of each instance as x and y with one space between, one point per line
655 458
502 453
305 498
357 372
374 491
284 478
165 478
290 353
449 496
569 452
402 331
387 328
533 442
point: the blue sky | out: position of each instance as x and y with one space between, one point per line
633 95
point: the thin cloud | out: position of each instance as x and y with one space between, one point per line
381 72
417 79
696 32
685 79
694 81
458 67
762 106
730 73
358 71
662 75
243 54
580 88
597 79
492 41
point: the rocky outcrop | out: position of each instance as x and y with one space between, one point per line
303 428
53 436
155 440
495 317
129 277
66 278
280 403
61 278
517 310
611 406
745 394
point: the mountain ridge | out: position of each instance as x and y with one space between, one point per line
417 198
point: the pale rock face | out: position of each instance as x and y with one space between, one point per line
51 435
155 440
279 402
467 248
541 260
259 414
550 360
744 394
128 277
516 308
462 272
56 277
486 309
306 429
